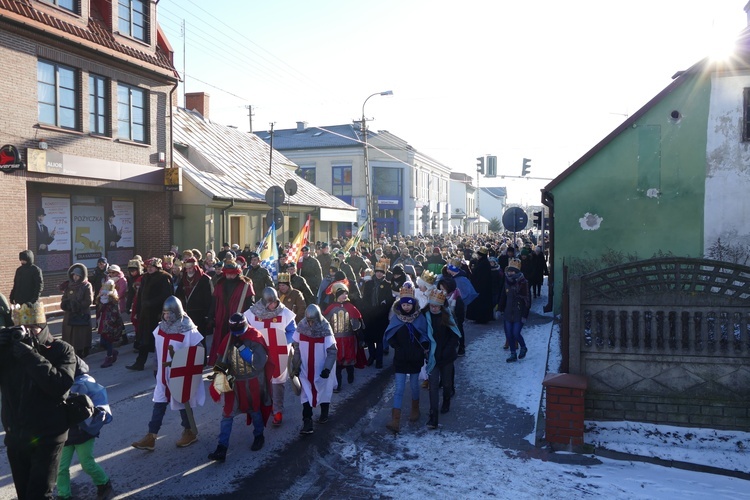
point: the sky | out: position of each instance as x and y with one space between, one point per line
544 80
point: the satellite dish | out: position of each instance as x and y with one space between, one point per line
290 187
275 196
275 215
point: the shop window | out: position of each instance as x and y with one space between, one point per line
131 113
57 95
342 181
98 105
132 18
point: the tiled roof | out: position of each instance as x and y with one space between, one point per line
228 164
335 136
495 192
96 31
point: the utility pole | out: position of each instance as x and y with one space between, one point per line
270 155
184 72
250 115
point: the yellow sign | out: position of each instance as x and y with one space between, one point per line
173 179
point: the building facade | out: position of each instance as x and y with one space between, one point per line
85 132
410 190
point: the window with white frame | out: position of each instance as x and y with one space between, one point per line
57 95
342 181
131 113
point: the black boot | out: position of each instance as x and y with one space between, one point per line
140 361
219 455
338 379
446 405
432 422
307 426
350 374
522 353
512 359
324 413
258 443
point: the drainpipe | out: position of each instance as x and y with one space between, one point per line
549 201
224 220
170 194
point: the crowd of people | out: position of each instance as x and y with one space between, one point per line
333 311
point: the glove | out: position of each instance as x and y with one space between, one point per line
325 373
21 348
221 367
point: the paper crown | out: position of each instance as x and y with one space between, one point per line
25 315
407 290
514 263
428 277
383 265
456 263
437 297
134 264
339 286
284 278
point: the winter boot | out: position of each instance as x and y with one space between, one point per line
446 405
188 437
512 358
414 415
395 423
432 422
147 443
258 443
219 455
108 361
324 407
350 374
104 491
307 426
523 352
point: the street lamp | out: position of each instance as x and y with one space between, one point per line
368 191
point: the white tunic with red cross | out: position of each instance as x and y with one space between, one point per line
177 341
277 330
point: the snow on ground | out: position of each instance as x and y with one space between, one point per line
447 464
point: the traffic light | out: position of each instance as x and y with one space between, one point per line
526 167
480 165
491 166
538 219
425 213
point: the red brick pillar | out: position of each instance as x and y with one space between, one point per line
565 400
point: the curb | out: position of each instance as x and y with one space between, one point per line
676 464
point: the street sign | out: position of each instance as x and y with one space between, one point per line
515 219
275 215
275 196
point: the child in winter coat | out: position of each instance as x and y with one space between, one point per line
407 334
110 324
81 437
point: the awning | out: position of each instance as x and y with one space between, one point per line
337 215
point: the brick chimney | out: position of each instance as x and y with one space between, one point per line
197 101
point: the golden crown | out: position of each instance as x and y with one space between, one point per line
428 277
407 290
284 278
437 297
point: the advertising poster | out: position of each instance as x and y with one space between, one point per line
123 224
56 218
88 234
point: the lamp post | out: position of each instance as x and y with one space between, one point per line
368 191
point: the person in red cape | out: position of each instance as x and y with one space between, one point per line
233 294
244 358
346 322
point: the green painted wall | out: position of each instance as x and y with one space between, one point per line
658 152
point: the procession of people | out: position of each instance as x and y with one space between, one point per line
333 309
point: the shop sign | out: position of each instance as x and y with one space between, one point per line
10 159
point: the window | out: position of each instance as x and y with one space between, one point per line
57 95
131 113
386 181
70 5
307 173
342 181
132 18
98 105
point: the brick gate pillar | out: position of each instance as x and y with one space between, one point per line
565 401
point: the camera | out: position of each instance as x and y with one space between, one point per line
16 334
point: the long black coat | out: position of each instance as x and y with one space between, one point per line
155 289
28 282
481 309
198 303
376 303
